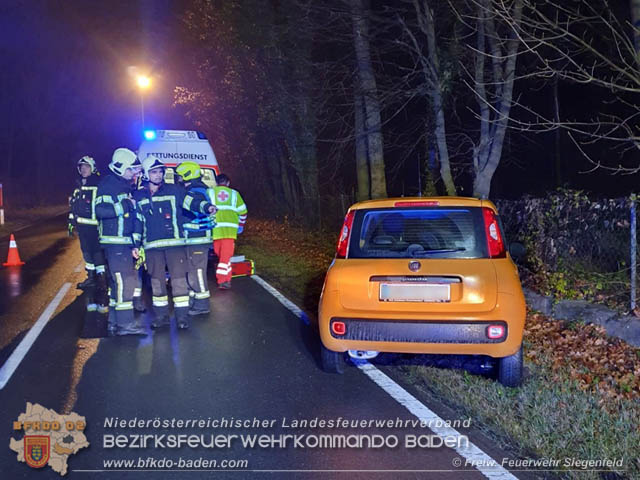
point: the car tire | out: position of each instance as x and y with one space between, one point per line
332 362
510 369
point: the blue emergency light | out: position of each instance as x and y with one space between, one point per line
150 134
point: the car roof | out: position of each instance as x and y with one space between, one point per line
420 201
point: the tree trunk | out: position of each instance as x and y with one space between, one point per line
441 141
362 162
635 21
367 79
431 71
489 150
556 115
289 194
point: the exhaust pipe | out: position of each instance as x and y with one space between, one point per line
363 354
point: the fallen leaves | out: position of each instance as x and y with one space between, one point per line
599 363
316 248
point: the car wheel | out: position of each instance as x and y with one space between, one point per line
332 362
510 369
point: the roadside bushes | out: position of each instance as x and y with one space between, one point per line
577 248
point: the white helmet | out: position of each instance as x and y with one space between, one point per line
122 159
87 160
149 164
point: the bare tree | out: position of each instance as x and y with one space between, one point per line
367 90
595 45
485 63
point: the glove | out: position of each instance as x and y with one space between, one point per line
240 229
142 259
70 229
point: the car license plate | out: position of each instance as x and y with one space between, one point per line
415 292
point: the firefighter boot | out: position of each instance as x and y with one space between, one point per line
90 282
112 326
101 293
138 304
127 324
200 306
161 317
182 317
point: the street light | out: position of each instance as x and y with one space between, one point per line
143 83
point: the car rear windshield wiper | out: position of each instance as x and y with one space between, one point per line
420 253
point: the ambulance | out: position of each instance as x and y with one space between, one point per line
173 147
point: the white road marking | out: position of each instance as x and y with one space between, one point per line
79 268
282 299
472 454
21 350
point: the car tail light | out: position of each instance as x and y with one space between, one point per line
425 203
345 234
495 332
494 236
339 328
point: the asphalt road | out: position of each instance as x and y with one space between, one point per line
250 358
39 245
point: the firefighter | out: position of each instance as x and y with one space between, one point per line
197 232
116 213
82 217
159 210
230 219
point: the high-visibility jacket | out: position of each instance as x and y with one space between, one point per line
82 204
197 230
231 213
160 216
115 212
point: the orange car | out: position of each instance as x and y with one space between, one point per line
423 275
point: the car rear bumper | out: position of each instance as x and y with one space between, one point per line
427 333
411 331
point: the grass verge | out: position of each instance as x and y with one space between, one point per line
581 397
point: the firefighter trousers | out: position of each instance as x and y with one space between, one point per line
197 256
123 279
224 250
173 259
91 250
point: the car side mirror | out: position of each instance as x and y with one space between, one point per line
517 251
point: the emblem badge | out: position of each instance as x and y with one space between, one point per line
36 450
414 266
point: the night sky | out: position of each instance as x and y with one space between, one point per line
68 91
67 88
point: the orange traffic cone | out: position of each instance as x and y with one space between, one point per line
13 259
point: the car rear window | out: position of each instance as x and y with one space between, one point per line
430 232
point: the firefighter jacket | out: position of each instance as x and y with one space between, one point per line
160 216
115 212
231 213
199 223
82 207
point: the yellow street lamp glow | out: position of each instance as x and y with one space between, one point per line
143 81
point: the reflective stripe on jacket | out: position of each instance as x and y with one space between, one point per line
115 213
198 197
231 212
82 203
161 217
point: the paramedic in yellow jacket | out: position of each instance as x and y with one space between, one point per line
230 218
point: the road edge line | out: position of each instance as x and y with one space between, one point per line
473 454
489 467
283 300
29 339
